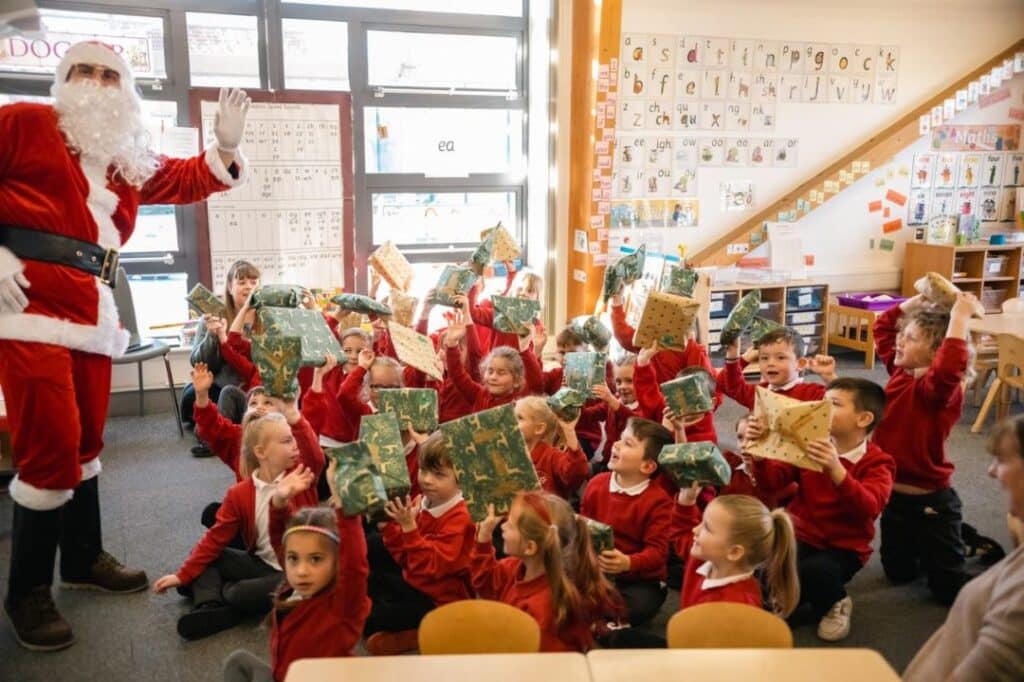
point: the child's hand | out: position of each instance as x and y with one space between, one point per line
914 303
165 583
330 362
374 282
202 379
462 304
485 529
613 562
687 497
403 512
428 303
416 436
643 358
732 350
676 424
216 326
332 467
540 339
755 429
456 330
751 355
308 299
366 358
824 366
524 342
602 392
823 451
297 481
965 306
288 408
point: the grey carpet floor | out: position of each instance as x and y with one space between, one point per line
153 492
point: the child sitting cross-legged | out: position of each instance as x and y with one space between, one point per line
560 471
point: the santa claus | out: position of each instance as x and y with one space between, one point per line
72 176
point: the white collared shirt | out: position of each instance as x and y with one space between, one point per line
633 405
443 508
328 442
264 492
794 382
855 455
711 583
633 491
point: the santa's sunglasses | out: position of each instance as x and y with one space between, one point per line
96 72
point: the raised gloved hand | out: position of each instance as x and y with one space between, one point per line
229 122
12 282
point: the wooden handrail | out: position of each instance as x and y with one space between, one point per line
878 149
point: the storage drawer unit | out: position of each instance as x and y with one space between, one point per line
800 299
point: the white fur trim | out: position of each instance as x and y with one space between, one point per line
92 52
105 338
91 469
220 171
37 499
102 203
9 263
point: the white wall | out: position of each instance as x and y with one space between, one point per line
939 42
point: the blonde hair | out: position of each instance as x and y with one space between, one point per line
356 331
767 538
252 437
933 326
539 410
512 356
530 282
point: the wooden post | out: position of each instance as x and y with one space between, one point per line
595 39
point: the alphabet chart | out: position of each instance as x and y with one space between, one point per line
287 219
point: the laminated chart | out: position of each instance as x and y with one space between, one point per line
287 220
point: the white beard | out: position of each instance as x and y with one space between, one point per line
104 125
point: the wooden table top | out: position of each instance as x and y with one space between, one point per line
569 667
998 323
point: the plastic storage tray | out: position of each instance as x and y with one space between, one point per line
800 299
859 301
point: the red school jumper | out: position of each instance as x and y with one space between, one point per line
666 363
561 472
475 394
223 436
736 387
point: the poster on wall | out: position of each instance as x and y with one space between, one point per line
685 213
1013 170
917 211
966 201
945 171
992 170
924 168
737 195
970 170
1008 203
684 182
992 138
988 203
942 203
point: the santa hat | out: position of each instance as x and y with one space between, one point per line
93 52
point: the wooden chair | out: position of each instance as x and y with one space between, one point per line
853 328
1009 376
478 626
724 625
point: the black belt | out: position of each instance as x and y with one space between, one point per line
54 248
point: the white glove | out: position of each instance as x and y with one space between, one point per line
12 298
229 122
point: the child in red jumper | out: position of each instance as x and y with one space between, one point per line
560 471
780 357
226 583
640 515
335 425
835 510
699 426
614 409
736 535
429 539
532 577
927 355
320 610
744 482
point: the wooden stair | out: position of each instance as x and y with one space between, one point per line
874 152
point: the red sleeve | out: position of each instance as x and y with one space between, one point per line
240 361
314 409
886 328
349 393
353 573
223 436
482 313
383 345
186 181
510 278
309 445
464 384
571 468
772 475
866 495
429 558
651 403
534 373
735 386
553 380
490 576
474 353
684 518
598 411
696 355
621 329
214 540
278 520
654 555
942 380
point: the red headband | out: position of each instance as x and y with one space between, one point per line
536 502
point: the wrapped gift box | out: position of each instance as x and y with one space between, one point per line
392 266
680 281
403 307
592 331
584 370
309 326
417 350
515 315
413 407
760 326
612 282
359 485
383 439
701 462
566 403
602 537
667 319
277 359
205 302
490 459
790 426
691 394
503 245
452 282
631 266
942 292
278 296
740 317
357 303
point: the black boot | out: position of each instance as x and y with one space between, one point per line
83 563
29 607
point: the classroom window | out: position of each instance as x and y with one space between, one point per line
441 60
503 8
139 39
315 54
440 218
223 50
159 300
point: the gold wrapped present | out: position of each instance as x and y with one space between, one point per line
503 245
403 307
667 319
392 266
417 350
789 426
205 302
278 296
309 326
452 282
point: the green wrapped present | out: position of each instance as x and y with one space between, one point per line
357 303
592 331
278 296
278 358
359 485
602 537
483 253
680 280
691 394
490 459
383 438
612 282
515 315
205 302
689 462
309 326
631 267
760 326
585 370
415 407
452 282
566 403
740 317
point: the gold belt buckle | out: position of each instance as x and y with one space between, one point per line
108 271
